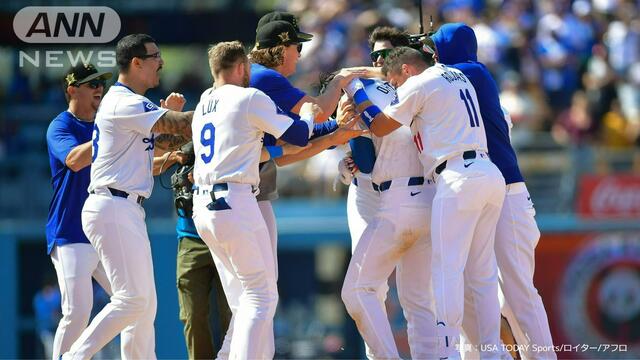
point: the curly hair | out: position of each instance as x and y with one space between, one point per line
270 57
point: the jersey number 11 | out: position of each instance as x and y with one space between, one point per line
468 103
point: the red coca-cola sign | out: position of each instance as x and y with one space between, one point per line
616 196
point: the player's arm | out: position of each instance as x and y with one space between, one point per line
295 132
163 162
339 137
277 151
329 99
174 122
377 121
169 142
66 147
79 157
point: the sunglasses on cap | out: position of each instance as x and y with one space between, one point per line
382 52
299 48
94 84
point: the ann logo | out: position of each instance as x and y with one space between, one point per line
66 24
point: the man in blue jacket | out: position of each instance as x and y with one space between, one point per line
74 258
517 233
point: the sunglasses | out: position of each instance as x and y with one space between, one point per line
300 48
146 56
376 54
94 84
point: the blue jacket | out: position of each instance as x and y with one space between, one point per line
457 47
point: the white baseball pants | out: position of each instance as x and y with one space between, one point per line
466 208
517 235
362 205
75 264
398 236
242 251
116 228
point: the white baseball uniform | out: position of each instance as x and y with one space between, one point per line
228 127
75 265
396 237
440 106
113 220
517 235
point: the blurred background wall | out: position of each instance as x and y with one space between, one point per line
569 74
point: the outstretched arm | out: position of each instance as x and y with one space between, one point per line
336 138
329 99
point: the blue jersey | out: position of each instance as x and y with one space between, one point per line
279 89
185 227
69 188
457 46
285 96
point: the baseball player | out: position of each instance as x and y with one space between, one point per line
278 44
124 138
398 235
377 209
439 104
517 232
228 128
69 146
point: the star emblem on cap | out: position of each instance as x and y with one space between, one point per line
284 37
70 79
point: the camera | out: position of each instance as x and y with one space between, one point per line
182 193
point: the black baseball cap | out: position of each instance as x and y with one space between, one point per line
283 16
276 33
83 73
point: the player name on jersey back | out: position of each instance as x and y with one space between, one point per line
441 107
122 155
228 126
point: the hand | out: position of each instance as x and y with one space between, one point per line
288 149
346 174
180 157
190 176
174 101
309 108
344 76
346 111
346 133
351 165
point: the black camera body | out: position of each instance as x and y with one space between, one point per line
180 184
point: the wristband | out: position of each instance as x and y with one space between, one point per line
360 96
369 114
274 151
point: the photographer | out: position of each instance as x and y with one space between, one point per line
196 273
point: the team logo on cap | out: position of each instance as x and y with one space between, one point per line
70 79
284 37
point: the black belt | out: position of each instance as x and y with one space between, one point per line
375 186
467 155
123 194
413 181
